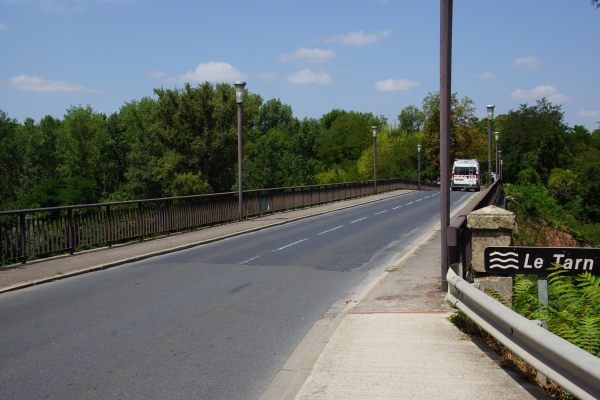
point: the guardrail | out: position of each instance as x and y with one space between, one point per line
458 237
33 233
574 369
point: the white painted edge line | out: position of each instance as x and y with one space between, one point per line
380 212
329 230
291 244
360 219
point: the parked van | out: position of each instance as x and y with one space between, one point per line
465 175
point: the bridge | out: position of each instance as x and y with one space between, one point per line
335 300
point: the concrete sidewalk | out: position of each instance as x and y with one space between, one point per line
394 342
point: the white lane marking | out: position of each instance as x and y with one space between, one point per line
418 200
291 244
408 203
380 212
360 219
253 258
396 207
330 230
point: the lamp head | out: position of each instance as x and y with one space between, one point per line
239 91
497 135
419 148
374 128
490 112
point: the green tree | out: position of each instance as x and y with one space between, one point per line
563 185
11 154
465 140
535 137
411 119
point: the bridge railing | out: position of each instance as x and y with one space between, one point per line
458 237
36 233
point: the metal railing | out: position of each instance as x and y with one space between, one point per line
458 236
574 369
35 233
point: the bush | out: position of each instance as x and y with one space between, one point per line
563 185
528 176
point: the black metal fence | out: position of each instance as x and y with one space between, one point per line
458 236
36 233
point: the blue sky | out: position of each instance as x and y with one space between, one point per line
369 55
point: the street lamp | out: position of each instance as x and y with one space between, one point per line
490 114
497 134
239 99
501 162
374 128
419 166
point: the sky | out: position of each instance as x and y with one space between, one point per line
374 56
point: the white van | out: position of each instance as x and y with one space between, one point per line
465 175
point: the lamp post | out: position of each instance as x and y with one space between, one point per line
239 98
374 128
490 114
497 134
419 166
501 162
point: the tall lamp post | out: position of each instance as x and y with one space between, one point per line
374 128
497 163
239 98
490 114
501 162
419 166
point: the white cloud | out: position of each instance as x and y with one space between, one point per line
211 72
307 76
358 38
528 62
4 26
486 75
588 113
35 84
156 74
549 92
312 55
395 84
267 76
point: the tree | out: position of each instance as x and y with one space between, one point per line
411 119
465 141
535 137
11 154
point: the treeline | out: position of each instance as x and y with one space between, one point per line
184 141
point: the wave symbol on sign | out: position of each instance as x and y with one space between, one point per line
504 263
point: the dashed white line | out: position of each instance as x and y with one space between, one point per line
253 258
360 219
291 244
330 230
408 203
396 207
380 212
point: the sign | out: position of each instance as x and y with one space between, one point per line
537 260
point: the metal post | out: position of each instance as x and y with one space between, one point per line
497 174
70 237
108 226
240 110
22 237
489 175
419 167
375 163
445 93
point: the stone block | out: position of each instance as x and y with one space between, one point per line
489 226
501 284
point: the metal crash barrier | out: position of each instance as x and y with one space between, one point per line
574 369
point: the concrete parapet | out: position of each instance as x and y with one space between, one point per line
490 226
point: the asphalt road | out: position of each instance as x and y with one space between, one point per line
216 321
